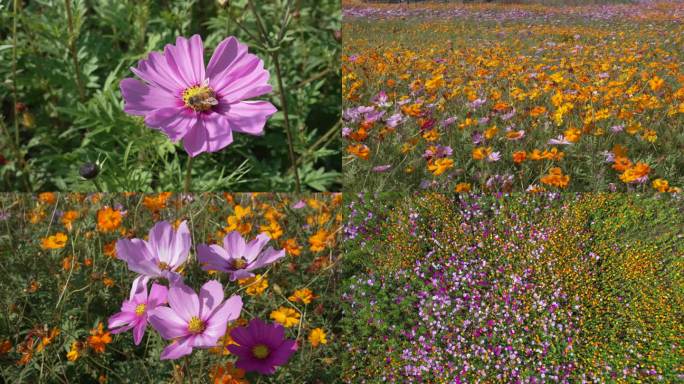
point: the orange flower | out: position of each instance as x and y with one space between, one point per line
661 185
359 150
439 166
320 240
108 219
537 111
635 173
292 248
556 178
480 153
67 219
99 339
621 164
157 202
56 241
228 375
47 197
304 295
519 156
109 249
47 339
462 187
273 229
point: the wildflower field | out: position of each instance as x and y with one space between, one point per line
513 97
180 95
551 288
205 288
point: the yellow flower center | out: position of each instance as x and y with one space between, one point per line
200 98
260 351
163 266
196 325
239 263
140 309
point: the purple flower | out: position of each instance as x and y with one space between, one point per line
201 107
394 120
237 257
160 256
494 157
261 347
134 310
382 168
560 140
192 321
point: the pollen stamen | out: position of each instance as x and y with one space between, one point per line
196 325
260 351
200 98
140 309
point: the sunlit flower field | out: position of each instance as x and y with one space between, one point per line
492 97
204 288
550 288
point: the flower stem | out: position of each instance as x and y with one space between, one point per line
187 366
281 88
72 50
21 163
188 175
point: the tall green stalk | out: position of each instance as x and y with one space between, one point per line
73 51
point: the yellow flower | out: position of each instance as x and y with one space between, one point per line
431 135
440 166
286 316
661 185
491 132
317 337
56 241
320 240
635 173
47 197
67 219
304 295
480 153
656 83
75 351
273 229
650 135
572 134
256 285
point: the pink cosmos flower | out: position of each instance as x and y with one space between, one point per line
237 257
134 310
192 321
200 106
261 347
165 250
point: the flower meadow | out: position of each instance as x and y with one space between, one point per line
550 288
513 97
203 288
182 95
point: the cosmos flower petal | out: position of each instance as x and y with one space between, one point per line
219 132
196 141
213 257
228 52
167 323
283 353
120 319
267 257
175 122
136 254
139 332
247 116
210 296
184 301
234 244
171 246
247 81
255 246
158 295
156 71
139 288
228 311
178 349
141 99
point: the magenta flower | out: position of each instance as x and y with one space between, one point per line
165 250
201 107
192 321
237 257
134 310
261 347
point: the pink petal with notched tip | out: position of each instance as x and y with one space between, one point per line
175 122
184 301
213 256
137 255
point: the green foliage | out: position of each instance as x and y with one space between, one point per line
67 117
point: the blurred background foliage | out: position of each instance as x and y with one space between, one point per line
50 126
